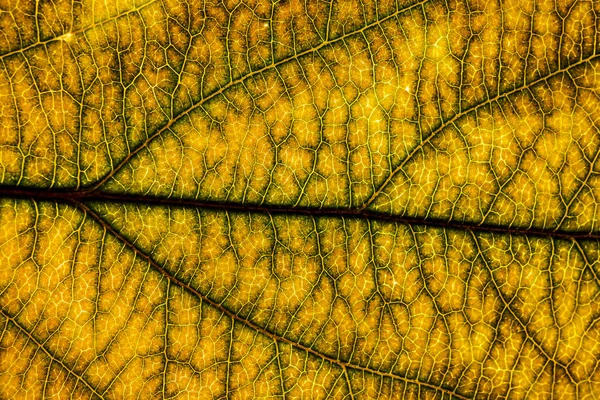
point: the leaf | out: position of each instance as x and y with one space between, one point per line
299 199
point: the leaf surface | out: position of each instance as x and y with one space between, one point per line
300 199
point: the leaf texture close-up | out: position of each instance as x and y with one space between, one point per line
299 199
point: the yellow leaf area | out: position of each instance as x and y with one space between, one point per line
299 199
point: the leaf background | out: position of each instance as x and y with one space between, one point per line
299 199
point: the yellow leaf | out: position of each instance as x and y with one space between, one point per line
300 199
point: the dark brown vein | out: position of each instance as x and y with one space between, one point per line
353 213
343 364
239 80
467 111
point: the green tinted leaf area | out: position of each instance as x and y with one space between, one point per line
312 199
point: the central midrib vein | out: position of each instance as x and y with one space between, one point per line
85 196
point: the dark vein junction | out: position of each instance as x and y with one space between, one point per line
248 323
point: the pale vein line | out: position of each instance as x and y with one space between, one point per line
466 111
239 80
247 322
76 31
47 352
